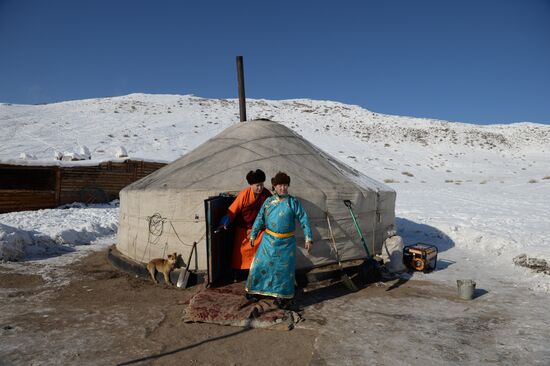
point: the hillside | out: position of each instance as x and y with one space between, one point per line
469 188
164 127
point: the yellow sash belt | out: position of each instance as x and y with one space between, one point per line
279 235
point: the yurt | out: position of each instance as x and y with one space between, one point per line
170 209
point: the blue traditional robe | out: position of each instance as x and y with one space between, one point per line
272 269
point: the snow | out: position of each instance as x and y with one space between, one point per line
45 233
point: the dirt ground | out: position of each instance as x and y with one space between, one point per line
89 313
104 316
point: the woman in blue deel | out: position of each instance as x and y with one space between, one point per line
272 270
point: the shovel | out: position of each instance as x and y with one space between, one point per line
183 279
372 267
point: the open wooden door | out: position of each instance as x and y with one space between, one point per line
219 243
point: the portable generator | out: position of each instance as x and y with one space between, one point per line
420 257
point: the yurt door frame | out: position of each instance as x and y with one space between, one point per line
218 242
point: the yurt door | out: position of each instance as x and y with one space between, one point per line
218 242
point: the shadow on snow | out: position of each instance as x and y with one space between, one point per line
414 232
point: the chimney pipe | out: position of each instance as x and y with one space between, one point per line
242 97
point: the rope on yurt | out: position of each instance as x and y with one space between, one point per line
156 224
181 241
134 243
374 222
333 240
156 229
147 217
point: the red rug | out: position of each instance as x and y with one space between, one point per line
228 305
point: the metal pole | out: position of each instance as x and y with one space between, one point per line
242 98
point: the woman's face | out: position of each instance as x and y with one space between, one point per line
257 188
281 189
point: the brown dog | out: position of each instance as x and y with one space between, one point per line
165 266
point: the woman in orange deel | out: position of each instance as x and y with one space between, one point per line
241 214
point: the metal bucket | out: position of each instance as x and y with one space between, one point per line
466 289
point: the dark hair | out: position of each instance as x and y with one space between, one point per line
280 178
254 177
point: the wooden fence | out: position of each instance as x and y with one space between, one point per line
25 187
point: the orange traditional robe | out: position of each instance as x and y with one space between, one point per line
242 213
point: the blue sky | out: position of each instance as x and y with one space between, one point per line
481 61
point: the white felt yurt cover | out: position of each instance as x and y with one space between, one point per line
176 193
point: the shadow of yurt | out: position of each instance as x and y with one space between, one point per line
414 232
165 211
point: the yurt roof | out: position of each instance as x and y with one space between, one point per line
222 162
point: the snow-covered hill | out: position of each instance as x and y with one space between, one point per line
480 192
164 127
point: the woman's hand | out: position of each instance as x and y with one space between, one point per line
309 244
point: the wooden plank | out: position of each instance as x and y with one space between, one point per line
21 200
57 185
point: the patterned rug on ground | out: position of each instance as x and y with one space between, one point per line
227 305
